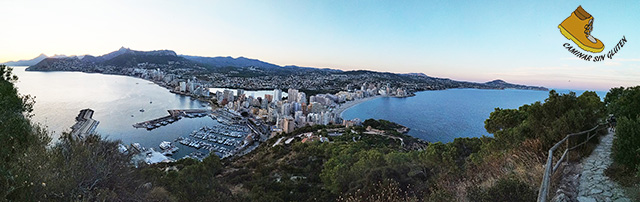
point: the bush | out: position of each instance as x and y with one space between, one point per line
505 189
626 147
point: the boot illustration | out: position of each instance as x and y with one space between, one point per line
578 27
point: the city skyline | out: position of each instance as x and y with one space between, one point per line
479 42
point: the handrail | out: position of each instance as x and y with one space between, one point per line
550 169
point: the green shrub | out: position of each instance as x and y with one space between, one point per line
626 147
505 189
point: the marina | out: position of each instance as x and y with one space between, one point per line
222 139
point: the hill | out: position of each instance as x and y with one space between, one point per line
503 85
250 73
118 60
30 62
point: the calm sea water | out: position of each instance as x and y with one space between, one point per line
116 100
444 115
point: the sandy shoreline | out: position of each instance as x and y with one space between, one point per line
343 107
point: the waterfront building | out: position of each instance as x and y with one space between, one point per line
268 98
351 123
205 91
183 86
382 92
277 95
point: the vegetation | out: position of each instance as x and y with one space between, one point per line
505 189
624 104
18 137
355 166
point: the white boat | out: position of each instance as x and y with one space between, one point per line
165 145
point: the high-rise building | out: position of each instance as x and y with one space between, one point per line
288 124
286 109
268 98
302 97
277 95
183 86
292 95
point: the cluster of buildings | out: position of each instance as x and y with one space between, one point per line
294 110
286 112
191 86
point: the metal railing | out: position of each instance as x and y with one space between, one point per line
550 169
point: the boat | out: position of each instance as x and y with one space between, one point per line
131 115
137 146
141 110
165 145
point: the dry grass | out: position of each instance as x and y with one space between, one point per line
524 163
385 191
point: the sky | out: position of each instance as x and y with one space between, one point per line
479 41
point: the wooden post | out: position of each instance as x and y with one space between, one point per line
568 151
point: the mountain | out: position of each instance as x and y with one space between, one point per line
243 64
27 62
119 59
231 62
503 85
253 73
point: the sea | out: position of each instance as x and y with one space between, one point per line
119 102
443 115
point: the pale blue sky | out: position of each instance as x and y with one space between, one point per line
517 41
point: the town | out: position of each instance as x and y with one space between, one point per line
254 119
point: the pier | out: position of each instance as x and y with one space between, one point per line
174 115
85 124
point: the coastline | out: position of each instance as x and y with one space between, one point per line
343 107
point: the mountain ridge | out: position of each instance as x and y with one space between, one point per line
28 62
123 58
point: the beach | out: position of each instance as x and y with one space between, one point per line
343 107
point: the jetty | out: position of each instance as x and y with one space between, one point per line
85 124
174 115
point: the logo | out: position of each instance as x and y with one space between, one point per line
577 28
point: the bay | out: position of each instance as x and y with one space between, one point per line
442 116
116 100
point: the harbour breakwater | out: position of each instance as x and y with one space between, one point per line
174 115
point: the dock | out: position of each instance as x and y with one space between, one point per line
85 124
174 115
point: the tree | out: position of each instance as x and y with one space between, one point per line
559 115
19 138
624 102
